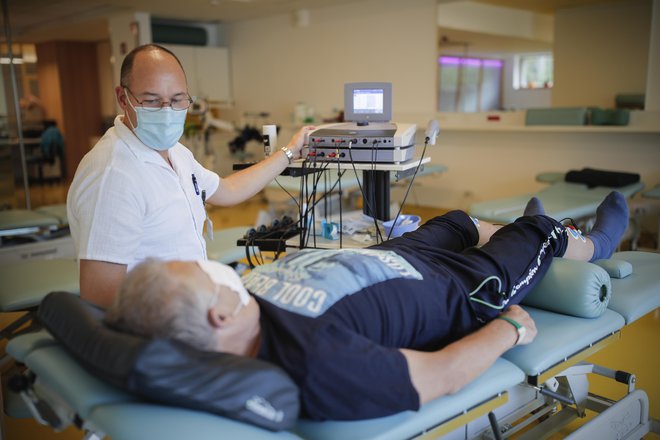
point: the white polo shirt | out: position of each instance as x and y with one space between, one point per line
126 203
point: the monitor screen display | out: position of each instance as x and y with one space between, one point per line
366 102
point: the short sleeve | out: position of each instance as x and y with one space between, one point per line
111 213
345 365
207 179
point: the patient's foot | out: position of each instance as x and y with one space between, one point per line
611 223
534 207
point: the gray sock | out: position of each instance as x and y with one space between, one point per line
534 207
611 223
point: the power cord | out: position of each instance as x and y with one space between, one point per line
412 180
364 198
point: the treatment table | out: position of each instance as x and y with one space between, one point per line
26 281
541 385
35 234
23 221
560 199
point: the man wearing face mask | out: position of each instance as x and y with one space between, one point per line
139 193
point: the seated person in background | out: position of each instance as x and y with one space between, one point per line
52 141
370 332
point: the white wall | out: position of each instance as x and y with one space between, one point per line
652 82
498 32
496 20
485 165
600 51
127 31
275 65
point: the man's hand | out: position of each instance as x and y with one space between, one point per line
299 140
449 369
519 315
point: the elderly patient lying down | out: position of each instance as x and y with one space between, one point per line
370 332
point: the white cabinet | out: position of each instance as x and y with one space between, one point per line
207 71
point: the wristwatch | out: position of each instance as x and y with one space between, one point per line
522 331
288 153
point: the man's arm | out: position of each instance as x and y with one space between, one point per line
100 281
445 371
244 184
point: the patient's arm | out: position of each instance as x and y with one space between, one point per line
447 370
100 280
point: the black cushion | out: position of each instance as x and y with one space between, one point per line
593 177
171 372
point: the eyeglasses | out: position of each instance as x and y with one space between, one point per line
156 104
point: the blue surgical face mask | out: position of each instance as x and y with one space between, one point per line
160 129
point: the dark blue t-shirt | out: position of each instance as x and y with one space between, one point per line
334 320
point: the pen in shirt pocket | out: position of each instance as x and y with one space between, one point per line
194 180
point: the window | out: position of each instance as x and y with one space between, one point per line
469 84
533 71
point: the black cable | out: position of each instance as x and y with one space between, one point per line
307 212
331 189
247 252
308 199
341 226
325 199
412 180
374 156
364 198
257 250
571 222
288 193
312 200
301 215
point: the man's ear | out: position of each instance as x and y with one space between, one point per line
217 320
120 94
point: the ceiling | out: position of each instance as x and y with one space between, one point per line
43 20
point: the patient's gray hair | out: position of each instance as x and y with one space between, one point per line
154 302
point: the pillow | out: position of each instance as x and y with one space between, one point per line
171 372
615 268
573 288
594 177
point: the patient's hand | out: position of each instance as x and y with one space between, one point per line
519 315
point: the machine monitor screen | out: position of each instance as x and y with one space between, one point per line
367 102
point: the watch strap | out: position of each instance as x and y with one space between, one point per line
519 328
288 153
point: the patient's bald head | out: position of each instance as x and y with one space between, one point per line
182 300
166 300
